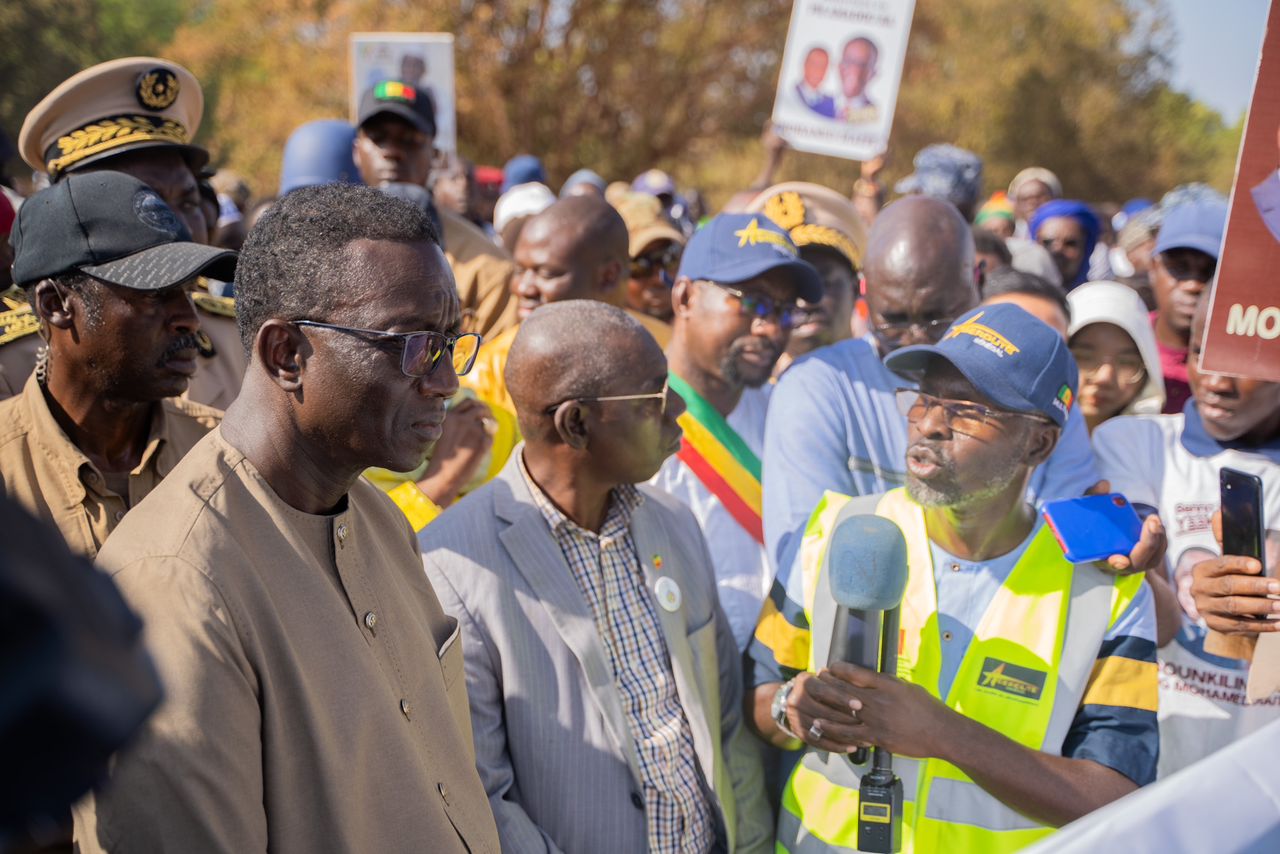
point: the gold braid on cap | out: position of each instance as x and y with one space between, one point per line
821 235
788 211
106 134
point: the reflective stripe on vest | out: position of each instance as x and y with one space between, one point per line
1024 674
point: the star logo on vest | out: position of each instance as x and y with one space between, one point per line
1022 682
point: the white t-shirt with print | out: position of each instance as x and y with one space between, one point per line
1168 462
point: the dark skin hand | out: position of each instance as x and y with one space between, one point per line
467 437
855 707
1232 594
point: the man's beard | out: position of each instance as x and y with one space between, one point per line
751 376
942 490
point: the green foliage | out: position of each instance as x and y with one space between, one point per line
46 41
1078 86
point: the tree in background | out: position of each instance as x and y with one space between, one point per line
1079 86
46 41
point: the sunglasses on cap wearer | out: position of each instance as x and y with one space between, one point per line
420 352
961 416
759 307
666 260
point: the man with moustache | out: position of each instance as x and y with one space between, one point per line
395 144
314 699
605 688
1171 463
833 422
1025 689
138 115
734 297
106 266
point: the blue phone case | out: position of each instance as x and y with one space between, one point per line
1094 527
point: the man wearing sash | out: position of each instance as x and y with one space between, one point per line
734 295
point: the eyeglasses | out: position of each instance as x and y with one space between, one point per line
761 307
421 352
1127 371
962 416
666 260
898 329
656 395
1186 267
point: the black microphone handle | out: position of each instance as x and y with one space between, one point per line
883 759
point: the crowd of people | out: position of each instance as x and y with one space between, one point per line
461 513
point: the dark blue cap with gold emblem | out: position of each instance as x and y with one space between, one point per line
117 106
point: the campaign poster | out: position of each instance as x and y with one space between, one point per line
838 84
1242 335
421 60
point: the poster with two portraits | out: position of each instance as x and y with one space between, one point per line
838 84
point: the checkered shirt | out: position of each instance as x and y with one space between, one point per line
608 571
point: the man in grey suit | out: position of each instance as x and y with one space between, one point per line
605 687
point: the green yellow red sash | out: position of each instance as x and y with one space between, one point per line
718 457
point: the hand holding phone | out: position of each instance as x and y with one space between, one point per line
1242 528
1094 527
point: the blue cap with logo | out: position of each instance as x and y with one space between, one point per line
735 247
1013 358
1196 224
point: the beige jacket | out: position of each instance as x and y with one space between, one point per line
315 698
48 475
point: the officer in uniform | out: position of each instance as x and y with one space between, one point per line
97 425
136 115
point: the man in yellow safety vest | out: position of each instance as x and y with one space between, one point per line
1025 693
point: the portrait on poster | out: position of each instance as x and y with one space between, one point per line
421 60
840 72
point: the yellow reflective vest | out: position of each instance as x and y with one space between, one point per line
1024 675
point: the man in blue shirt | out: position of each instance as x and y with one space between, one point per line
833 422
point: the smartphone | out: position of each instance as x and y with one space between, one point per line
1094 527
1242 532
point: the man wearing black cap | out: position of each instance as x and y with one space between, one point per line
136 115
106 265
395 144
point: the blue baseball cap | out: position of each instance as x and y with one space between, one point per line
1196 224
1013 358
319 152
735 247
522 169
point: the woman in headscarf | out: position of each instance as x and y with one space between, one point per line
1069 230
1115 348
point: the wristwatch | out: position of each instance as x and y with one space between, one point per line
778 709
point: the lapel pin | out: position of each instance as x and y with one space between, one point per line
668 593
657 562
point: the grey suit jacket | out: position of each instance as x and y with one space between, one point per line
552 742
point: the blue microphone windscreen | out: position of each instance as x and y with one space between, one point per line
866 563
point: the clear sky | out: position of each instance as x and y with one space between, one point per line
1216 52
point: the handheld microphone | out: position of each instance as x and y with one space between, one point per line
866 570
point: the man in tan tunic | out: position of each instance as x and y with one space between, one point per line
106 265
315 690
